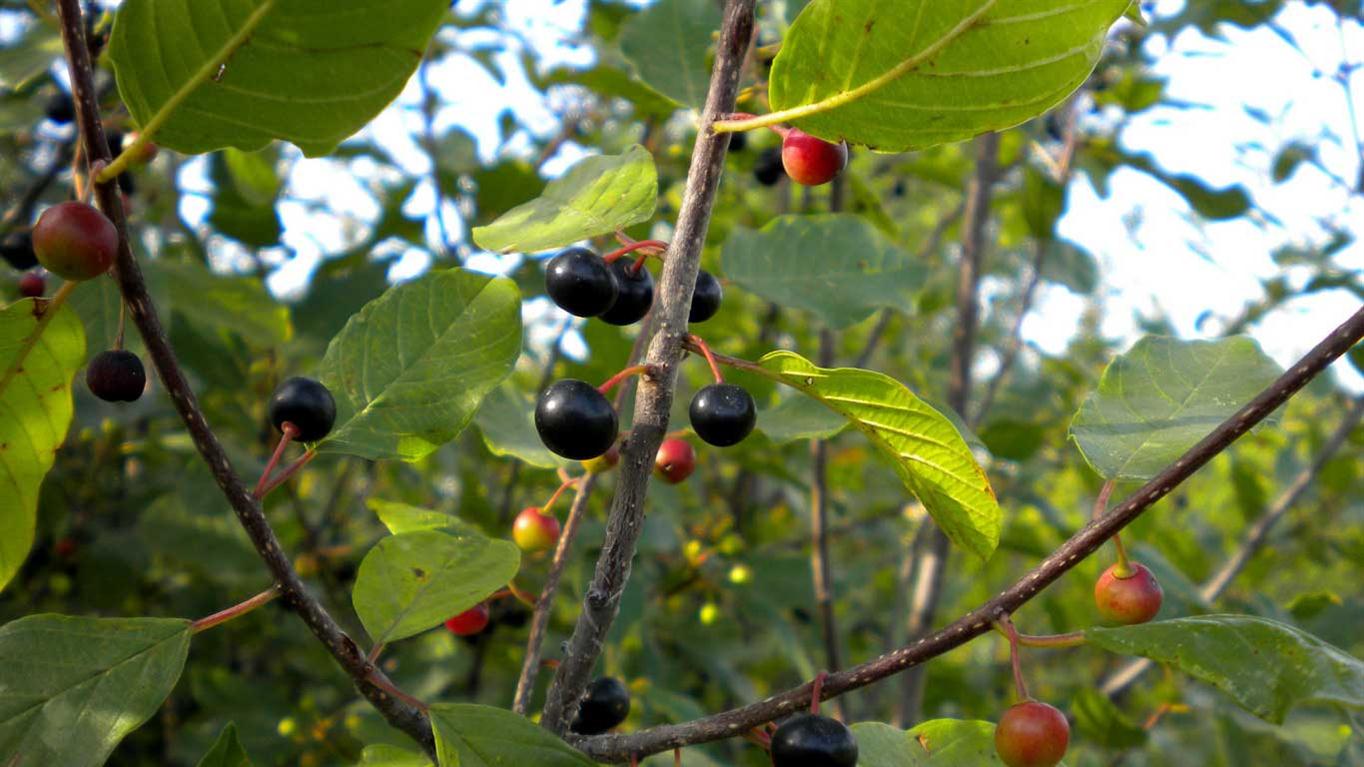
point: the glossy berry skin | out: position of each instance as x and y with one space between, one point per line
634 293
116 376
580 282
810 740
706 297
1131 600
675 460
1032 734
32 285
306 404
535 531
767 169
75 241
605 705
61 108
723 414
469 622
575 420
17 250
811 161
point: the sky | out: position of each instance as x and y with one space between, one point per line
1155 254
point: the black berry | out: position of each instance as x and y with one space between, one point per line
575 420
580 282
705 298
723 414
116 376
809 740
635 293
60 109
738 141
605 705
768 168
306 404
17 249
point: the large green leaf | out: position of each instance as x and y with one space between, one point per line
481 736
402 518
927 451
37 361
1265 666
837 266
218 301
227 751
411 369
72 688
667 44
597 196
937 742
906 74
409 583
508 426
245 187
241 73
797 418
1162 397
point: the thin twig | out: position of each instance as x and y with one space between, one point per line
1086 541
128 273
654 403
1254 540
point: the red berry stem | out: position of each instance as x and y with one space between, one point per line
701 344
816 687
526 599
566 485
288 472
651 247
223 616
761 737
288 432
630 372
1100 508
1005 625
677 757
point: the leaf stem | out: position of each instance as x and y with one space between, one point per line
235 611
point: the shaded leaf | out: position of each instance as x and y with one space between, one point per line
245 186
392 756
508 425
227 751
798 418
1163 396
411 369
666 44
481 736
1099 720
217 301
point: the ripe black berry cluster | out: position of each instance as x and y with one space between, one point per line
619 292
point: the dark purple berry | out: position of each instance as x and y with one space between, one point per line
116 376
723 414
810 740
17 250
768 169
575 420
706 297
306 404
580 282
635 293
605 704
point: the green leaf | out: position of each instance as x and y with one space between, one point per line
74 687
1044 201
37 362
392 756
597 196
907 74
1163 396
402 518
928 452
666 44
409 583
411 369
507 422
29 57
937 742
799 418
837 266
241 73
481 736
245 187
1098 720
1072 266
1265 666
217 301
227 751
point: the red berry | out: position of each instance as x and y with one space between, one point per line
811 161
534 531
469 622
1130 599
1032 734
675 461
32 285
64 547
75 241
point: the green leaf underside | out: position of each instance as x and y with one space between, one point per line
1163 396
35 413
242 73
1265 666
935 743
412 582
928 452
667 44
596 196
507 423
412 367
227 751
797 418
402 518
836 266
72 688
907 74
480 736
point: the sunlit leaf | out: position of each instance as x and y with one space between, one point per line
481 736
